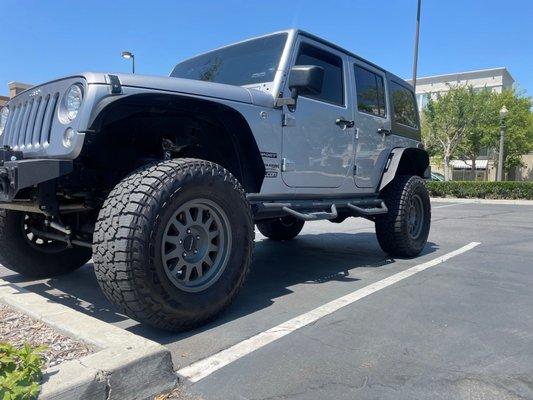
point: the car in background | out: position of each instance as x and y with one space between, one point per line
435 176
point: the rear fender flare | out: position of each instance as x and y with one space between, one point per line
405 161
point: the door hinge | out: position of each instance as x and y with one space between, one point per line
288 120
287 165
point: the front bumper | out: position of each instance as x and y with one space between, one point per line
17 173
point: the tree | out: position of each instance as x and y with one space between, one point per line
447 120
518 127
476 137
462 122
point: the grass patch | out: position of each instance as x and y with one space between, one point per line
481 190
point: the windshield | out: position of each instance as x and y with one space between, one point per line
252 62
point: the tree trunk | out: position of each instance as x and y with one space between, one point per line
473 159
447 167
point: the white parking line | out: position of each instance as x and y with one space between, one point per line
447 205
207 366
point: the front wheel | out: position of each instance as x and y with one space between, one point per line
173 243
404 230
22 249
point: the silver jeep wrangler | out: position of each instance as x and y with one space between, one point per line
161 179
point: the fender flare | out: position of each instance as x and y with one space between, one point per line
405 160
245 146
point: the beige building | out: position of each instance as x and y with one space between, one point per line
14 89
495 79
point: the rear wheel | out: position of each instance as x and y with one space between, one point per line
284 228
25 252
173 243
404 230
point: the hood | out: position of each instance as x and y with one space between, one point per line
187 86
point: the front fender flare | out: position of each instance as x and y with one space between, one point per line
246 151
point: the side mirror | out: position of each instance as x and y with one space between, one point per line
305 79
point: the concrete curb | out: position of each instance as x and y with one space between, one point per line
481 201
124 366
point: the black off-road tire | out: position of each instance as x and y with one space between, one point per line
284 228
17 254
130 232
393 229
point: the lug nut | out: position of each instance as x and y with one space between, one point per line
184 254
181 241
195 251
197 237
188 231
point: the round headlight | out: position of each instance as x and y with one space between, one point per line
73 101
4 112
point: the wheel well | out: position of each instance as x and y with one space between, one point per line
413 162
404 161
131 131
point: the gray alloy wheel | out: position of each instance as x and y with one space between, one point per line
195 245
415 221
34 240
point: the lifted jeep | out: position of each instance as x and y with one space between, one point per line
161 179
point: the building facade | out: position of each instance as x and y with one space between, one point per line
14 89
495 79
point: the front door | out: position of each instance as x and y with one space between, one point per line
373 122
317 148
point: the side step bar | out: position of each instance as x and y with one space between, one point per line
314 216
382 209
314 210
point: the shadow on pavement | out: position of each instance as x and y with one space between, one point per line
309 259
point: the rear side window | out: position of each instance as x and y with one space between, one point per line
370 92
404 106
332 89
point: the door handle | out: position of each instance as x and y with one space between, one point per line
344 123
384 131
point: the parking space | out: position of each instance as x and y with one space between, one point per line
460 329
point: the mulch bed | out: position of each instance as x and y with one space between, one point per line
17 328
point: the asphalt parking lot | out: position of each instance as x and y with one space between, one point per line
461 328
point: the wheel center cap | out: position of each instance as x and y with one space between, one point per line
190 243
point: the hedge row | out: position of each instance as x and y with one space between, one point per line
481 190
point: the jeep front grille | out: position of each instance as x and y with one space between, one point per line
29 124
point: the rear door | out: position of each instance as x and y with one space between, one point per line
373 122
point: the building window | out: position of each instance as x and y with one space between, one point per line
370 92
332 86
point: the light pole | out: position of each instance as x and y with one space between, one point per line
129 55
503 114
417 34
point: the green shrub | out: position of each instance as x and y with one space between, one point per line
20 372
481 190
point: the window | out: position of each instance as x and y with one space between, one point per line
404 106
332 87
251 62
370 92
